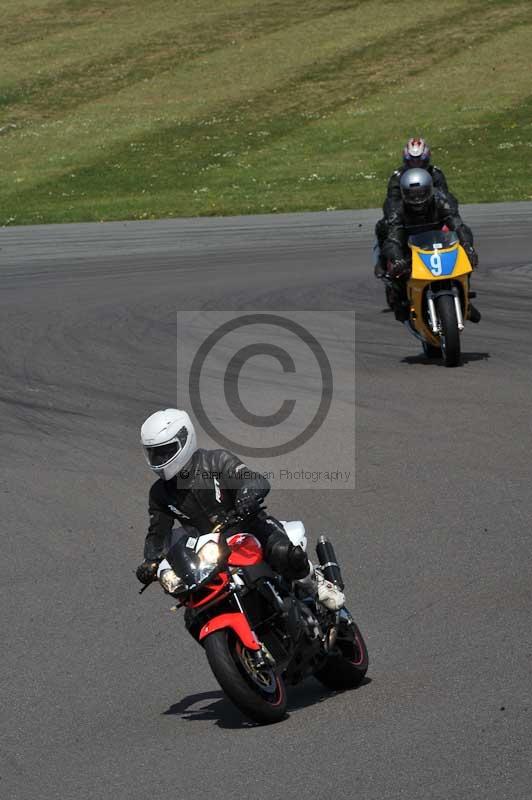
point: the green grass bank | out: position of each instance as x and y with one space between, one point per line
122 109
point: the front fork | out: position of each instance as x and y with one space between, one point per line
431 307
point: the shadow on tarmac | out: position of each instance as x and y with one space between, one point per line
215 707
438 362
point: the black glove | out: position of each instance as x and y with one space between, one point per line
247 501
400 268
472 255
147 572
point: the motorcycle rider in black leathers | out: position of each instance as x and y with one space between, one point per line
199 488
421 209
416 153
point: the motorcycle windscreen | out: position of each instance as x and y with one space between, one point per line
427 240
437 251
188 565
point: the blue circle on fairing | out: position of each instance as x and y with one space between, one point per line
448 262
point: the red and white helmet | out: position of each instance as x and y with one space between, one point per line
416 153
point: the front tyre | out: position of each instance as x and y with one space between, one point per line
450 335
346 666
257 691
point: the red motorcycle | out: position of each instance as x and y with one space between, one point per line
258 631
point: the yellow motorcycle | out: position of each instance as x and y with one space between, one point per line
438 293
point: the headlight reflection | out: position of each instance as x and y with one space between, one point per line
209 553
170 581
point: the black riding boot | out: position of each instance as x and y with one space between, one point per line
474 314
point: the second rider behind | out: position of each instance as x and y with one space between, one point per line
199 488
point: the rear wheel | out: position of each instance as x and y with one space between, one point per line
450 335
347 665
256 690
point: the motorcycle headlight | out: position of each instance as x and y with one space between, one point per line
209 556
209 553
170 581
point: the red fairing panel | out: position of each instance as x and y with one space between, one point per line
246 550
238 623
216 586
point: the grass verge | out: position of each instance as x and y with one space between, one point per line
129 110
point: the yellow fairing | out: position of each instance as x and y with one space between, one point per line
422 277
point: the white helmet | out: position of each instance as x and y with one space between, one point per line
169 441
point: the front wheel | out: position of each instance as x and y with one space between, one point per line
450 335
256 690
346 666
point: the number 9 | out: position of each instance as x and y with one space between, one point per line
435 262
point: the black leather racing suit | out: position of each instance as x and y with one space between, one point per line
405 221
394 199
202 494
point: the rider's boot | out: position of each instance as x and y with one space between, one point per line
381 262
380 269
401 311
399 299
329 595
474 314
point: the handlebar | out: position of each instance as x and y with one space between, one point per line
232 518
226 523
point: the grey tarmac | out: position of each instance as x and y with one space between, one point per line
103 694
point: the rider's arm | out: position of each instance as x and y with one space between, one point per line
439 181
393 193
453 220
161 524
450 217
440 185
243 485
465 234
395 244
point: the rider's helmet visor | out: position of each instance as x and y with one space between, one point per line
161 454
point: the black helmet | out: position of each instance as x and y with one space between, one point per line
416 188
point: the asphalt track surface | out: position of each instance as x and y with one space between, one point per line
103 694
